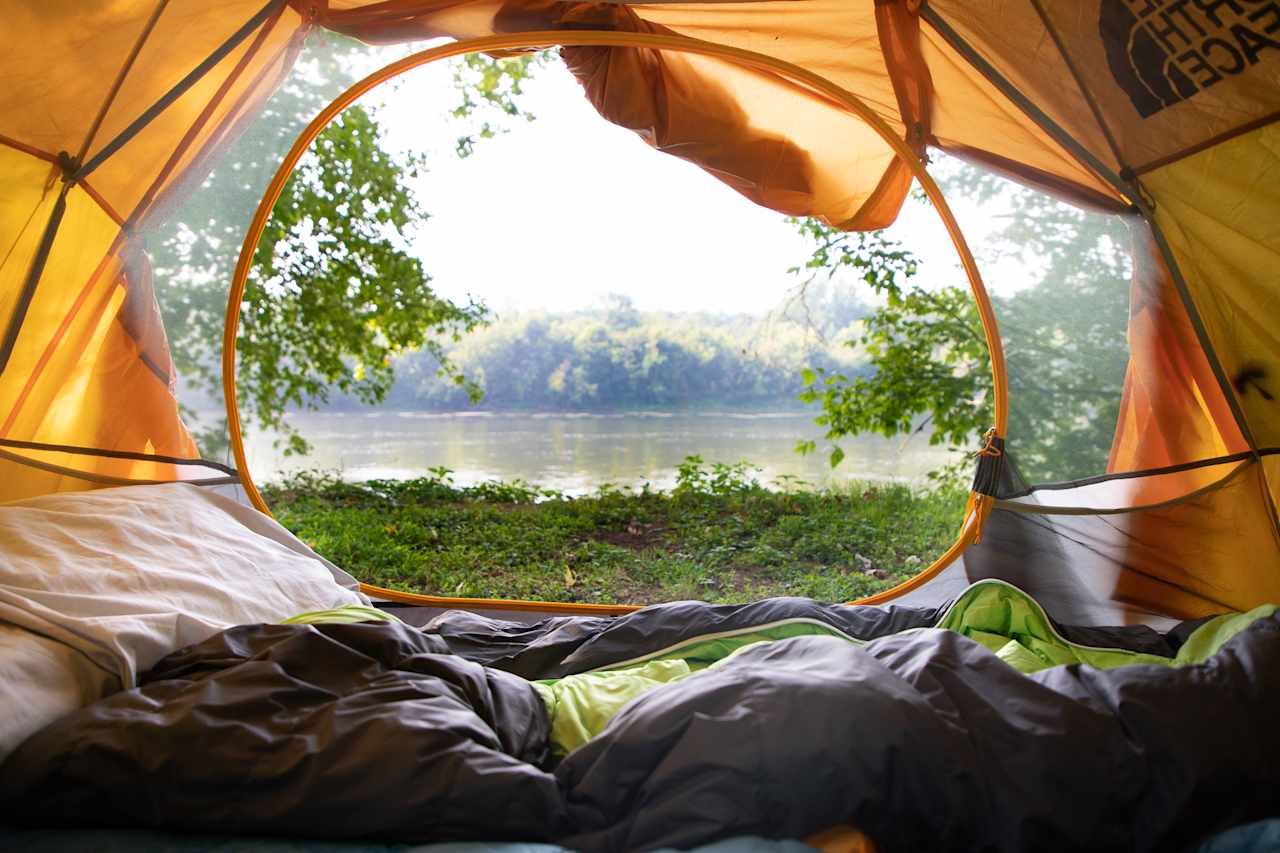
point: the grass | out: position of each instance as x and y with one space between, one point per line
718 536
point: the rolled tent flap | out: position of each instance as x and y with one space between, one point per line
776 143
767 138
780 146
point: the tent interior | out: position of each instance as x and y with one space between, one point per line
146 593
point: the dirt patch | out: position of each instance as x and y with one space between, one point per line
741 578
636 536
636 592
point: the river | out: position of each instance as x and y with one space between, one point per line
577 452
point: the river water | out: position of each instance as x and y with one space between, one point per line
576 453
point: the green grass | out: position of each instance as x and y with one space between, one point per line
719 536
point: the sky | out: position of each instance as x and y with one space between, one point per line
558 212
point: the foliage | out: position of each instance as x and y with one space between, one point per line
334 294
496 84
716 479
617 357
876 260
1064 337
926 350
437 485
736 544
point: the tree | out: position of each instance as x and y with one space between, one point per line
334 294
1064 338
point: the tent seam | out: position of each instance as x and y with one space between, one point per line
1080 84
177 91
1225 136
118 83
1024 104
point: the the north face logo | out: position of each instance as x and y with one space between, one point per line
1165 51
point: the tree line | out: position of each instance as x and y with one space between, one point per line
616 357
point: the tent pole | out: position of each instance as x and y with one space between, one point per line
979 504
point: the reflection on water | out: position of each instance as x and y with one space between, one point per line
577 452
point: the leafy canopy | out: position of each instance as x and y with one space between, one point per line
1064 336
335 292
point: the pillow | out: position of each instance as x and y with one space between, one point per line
125 576
40 681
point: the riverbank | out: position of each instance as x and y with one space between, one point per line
719 536
578 452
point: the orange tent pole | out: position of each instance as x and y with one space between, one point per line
979 505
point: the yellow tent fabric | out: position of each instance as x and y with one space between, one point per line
113 113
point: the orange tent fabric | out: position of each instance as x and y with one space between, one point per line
112 114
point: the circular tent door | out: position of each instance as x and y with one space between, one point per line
980 501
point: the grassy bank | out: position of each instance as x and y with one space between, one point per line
718 536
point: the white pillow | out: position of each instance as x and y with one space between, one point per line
125 576
40 681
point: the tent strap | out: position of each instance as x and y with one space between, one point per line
116 454
106 479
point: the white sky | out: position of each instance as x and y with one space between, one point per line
559 211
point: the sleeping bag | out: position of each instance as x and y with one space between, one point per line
981 725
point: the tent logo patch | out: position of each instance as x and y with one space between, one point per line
1162 52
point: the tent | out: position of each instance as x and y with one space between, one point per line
113 113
